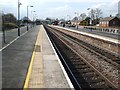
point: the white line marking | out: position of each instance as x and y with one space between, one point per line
12 42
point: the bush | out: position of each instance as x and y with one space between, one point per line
84 23
9 25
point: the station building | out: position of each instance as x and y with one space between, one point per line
109 22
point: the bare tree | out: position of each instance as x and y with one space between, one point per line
92 14
83 16
95 13
98 13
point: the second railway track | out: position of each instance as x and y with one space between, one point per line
86 75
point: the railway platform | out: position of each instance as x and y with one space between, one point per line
46 70
30 61
95 35
107 43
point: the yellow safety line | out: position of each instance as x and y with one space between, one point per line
30 66
41 40
42 56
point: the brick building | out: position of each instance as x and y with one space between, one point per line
109 22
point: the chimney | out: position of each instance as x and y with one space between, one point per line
110 15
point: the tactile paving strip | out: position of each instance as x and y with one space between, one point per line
38 48
36 77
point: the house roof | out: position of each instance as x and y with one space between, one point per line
107 18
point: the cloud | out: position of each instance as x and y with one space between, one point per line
72 1
59 8
108 8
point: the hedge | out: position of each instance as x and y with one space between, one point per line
9 25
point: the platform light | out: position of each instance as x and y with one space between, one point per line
27 15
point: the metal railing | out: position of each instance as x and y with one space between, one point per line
9 35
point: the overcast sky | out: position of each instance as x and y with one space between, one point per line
59 8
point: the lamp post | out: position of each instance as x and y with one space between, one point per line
32 18
27 16
19 17
33 14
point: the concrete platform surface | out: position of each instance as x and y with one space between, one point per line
47 70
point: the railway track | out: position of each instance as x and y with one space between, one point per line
106 66
103 52
83 74
108 56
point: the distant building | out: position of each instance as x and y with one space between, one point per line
109 22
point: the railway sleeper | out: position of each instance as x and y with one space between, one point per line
78 63
92 84
81 63
88 74
82 66
90 79
105 87
88 69
75 58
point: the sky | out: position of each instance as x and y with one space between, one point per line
59 8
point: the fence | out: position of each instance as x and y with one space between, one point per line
110 30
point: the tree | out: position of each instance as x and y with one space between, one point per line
75 19
38 21
9 21
24 20
48 19
9 18
95 15
98 13
83 16
84 23
92 14
88 20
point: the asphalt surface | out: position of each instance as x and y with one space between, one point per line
12 34
97 32
16 59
